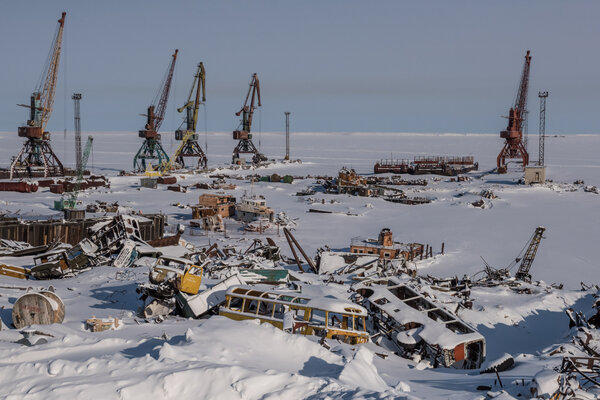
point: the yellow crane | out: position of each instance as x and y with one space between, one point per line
189 146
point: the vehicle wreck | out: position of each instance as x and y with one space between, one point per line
415 324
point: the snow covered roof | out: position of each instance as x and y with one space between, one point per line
321 303
406 305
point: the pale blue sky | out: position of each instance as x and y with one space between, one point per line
410 66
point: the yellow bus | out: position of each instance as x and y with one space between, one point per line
323 317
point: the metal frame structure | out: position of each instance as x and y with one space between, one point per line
190 148
513 146
151 149
245 145
287 135
523 272
37 155
76 98
543 96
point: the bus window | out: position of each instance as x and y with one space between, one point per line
235 304
278 311
359 323
300 314
251 306
337 320
265 308
318 317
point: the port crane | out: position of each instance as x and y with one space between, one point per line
245 145
151 150
514 147
36 155
189 146
71 201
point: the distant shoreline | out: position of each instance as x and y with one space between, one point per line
220 133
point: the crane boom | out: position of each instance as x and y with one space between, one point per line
248 110
192 105
523 272
161 107
44 93
514 147
36 155
521 99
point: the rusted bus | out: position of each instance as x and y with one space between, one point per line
324 317
416 323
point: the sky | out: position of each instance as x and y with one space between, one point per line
348 66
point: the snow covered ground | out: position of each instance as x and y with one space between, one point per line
219 358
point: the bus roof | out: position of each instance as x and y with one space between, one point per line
321 303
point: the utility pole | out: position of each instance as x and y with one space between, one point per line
76 97
287 135
542 96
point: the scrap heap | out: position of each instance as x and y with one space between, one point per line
115 241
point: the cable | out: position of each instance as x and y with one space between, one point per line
205 130
259 127
514 262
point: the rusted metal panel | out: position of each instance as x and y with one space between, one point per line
21 187
31 132
45 182
167 180
57 188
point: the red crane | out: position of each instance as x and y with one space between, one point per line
156 112
244 136
513 146
152 150
37 157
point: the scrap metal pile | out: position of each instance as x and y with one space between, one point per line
380 297
349 182
115 241
577 364
176 284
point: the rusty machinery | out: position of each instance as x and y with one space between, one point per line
513 146
36 155
190 146
152 150
245 145
523 272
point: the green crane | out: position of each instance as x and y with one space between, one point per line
71 202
